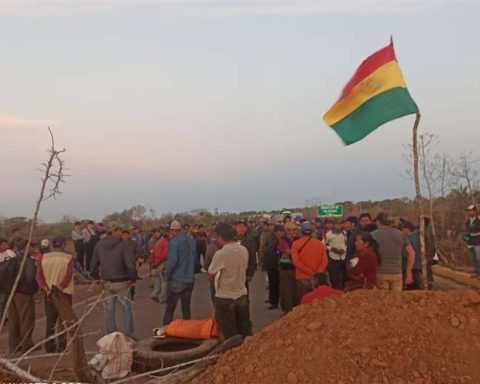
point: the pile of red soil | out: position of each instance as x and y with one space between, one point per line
363 337
8 377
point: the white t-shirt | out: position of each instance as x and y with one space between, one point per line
229 265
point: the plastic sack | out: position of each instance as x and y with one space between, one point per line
115 357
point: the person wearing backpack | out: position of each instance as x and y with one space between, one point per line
309 256
21 312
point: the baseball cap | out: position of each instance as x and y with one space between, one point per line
58 241
472 207
45 243
112 226
175 225
306 227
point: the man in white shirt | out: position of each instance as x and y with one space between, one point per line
336 243
228 271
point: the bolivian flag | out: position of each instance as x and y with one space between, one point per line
376 94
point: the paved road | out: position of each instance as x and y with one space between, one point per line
149 314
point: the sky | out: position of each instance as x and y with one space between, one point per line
181 105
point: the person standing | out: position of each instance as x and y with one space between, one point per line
288 290
7 274
179 271
201 245
413 236
266 234
365 224
157 261
90 239
336 243
77 237
391 245
212 249
227 270
309 256
21 312
473 237
116 261
247 240
16 239
271 260
55 271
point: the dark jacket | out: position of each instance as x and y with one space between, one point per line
249 242
28 281
181 259
473 230
116 260
271 254
414 239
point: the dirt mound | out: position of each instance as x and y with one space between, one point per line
363 337
8 377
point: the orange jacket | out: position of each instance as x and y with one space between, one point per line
312 258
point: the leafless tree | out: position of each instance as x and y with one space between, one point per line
466 171
53 176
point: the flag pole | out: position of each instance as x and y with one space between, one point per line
418 198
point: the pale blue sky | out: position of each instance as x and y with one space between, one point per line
184 105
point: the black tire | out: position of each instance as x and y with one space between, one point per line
151 354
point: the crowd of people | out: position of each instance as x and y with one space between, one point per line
303 260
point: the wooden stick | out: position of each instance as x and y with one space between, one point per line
19 371
418 198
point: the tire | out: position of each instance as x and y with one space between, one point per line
151 354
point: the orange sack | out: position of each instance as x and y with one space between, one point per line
193 329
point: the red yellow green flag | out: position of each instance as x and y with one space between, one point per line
376 94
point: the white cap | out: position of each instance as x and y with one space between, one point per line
175 225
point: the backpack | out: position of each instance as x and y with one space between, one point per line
8 273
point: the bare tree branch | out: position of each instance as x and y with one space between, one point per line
54 165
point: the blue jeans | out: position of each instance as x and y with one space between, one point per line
475 254
178 290
118 292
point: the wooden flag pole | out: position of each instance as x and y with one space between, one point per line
418 198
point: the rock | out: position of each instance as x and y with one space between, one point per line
454 321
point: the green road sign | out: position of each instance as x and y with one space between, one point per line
330 210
